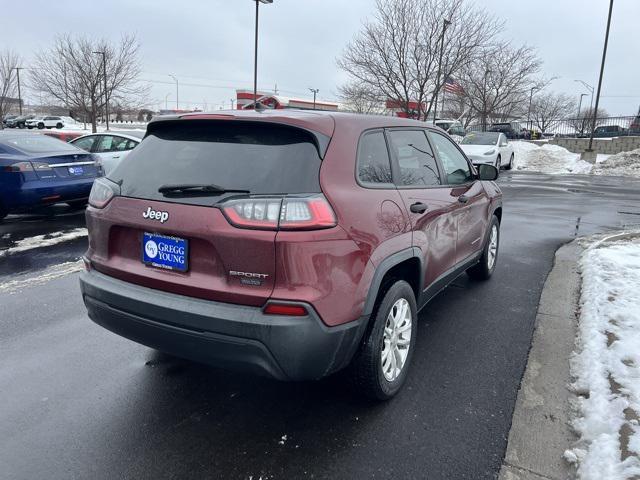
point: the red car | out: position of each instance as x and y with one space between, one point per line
287 243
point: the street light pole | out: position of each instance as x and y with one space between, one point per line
315 92
590 88
19 93
255 59
166 104
580 104
177 91
529 111
604 57
106 96
445 24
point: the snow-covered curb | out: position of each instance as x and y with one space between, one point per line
606 364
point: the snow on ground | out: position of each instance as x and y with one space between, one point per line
622 164
606 365
39 241
547 159
56 271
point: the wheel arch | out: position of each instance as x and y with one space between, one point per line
404 265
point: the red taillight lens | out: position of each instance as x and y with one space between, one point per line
274 308
287 213
19 167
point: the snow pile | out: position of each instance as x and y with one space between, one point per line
44 241
606 366
622 164
548 158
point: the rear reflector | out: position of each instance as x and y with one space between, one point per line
274 308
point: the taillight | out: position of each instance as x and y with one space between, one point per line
285 213
102 191
28 167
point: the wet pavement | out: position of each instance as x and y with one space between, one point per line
80 402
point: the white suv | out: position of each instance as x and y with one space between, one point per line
46 122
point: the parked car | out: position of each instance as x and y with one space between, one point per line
46 121
19 122
287 243
36 170
8 118
110 148
488 147
452 127
634 128
512 130
65 136
605 131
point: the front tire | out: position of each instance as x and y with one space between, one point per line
3 212
510 165
498 162
40 126
59 125
489 258
380 367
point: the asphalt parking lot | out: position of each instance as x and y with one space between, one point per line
80 402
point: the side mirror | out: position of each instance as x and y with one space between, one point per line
487 172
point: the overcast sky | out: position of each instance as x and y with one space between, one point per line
208 44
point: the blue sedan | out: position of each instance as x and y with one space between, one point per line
36 170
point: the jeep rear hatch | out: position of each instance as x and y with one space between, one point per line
225 188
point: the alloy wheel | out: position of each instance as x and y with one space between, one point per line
396 340
493 247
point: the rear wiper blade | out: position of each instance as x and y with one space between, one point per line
197 189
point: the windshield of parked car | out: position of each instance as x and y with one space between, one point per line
483 138
37 144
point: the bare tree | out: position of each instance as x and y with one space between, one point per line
547 109
8 81
396 56
582 124
359 99
72 73
498 83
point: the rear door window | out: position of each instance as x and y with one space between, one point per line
259 157
416 162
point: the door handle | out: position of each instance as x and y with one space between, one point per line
463 199
116 156
418 207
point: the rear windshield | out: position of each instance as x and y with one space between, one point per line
38 144
260 158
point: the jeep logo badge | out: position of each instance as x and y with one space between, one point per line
152 214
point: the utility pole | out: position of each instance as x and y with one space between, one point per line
604 57
106 96
177 90
315 92
255 59
19 93
232 100
445 24
166 103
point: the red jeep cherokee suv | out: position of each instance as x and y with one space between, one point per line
287 243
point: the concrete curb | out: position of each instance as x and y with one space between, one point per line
540 432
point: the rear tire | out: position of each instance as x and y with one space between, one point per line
78 204
489 258
3 212
40 126
380 367
58 125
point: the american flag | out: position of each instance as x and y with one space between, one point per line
451 86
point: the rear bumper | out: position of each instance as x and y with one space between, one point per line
40 192
223 335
